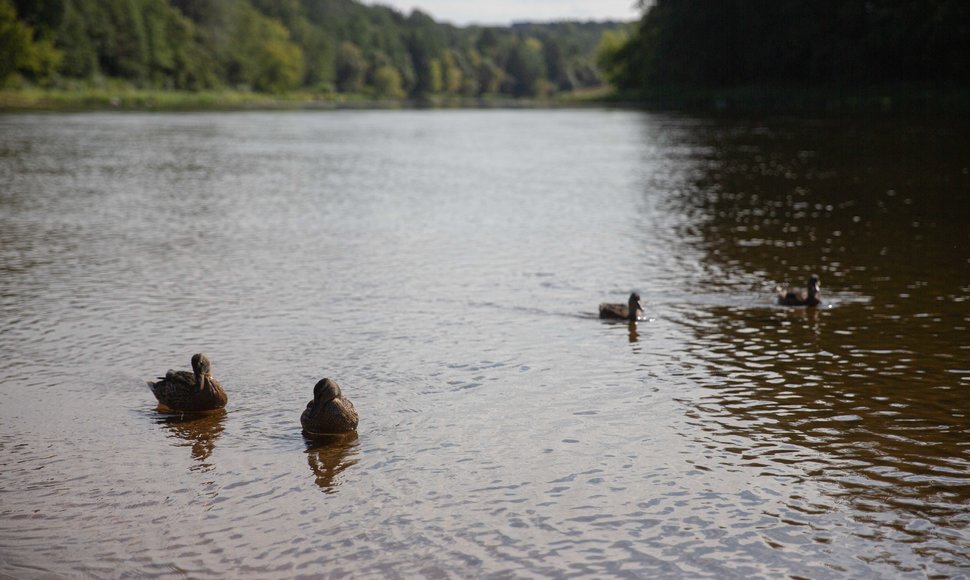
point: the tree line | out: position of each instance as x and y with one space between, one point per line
698 43
277 46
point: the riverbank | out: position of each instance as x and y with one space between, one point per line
134 99
815 99
124 98
774 99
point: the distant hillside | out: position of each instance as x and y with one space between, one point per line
275 46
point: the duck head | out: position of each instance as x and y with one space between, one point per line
202 369
633 306
813 285
324 391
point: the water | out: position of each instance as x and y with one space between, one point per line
445 267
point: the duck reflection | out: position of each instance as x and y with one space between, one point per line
198 431
329 455
809 318
634 336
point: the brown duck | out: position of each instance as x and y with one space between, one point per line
190 392
329 411
809 296
629 311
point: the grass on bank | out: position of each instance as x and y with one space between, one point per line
128 98
746 99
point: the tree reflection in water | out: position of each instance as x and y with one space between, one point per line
196 430
329 455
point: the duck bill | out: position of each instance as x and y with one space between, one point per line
200 380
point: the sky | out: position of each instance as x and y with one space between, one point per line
504 12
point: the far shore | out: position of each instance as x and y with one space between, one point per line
134 99
805 99
773 99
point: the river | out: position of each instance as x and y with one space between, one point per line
445 267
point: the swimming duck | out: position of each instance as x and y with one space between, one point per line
799 297
629 311
329 411
190 392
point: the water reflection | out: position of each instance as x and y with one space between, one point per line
862 395
632 332
893 450
330 455
197 431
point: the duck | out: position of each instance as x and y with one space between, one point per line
329 412
190 392
800 297
630 311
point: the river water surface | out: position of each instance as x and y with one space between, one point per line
445 268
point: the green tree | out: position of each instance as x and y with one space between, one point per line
80 57
351 67
557 70
44 16
608 54
490 78
118 28
281 45
525 67
425 44
435 77
319 58
847 42
387 83
21 51
278 63
452 76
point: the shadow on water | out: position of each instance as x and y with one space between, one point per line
869 399
330 455
197 431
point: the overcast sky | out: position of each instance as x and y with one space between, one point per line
504 12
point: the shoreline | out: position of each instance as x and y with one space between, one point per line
35 100
767 99
804 99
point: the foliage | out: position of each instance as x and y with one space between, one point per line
829 42
608 54
351 67
276 46
23 49
387 83
525 68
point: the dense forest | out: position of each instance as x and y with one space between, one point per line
845 43
276 46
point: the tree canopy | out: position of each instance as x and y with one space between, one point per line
276 46
833 42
